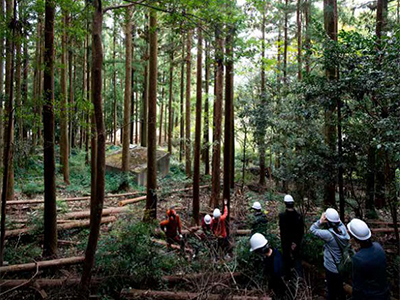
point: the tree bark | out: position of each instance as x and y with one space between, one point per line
188 148
18 87
144 117
63 103
263 101
299 40
182 127
197 141
50 207
2 96
72 107
96 205
127 98
42 264
216 159
330 25
285 42
115 103
170 99
307 17
151 201
206 135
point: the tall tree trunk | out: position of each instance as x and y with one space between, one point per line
307 17
151 201
72 107
278 59
182 127
88 95
299 40
115 103
18 87
161 119
96 205
206 135
50 207
188 163
216 160
285 42
197 141
24 85
137 119
145 100
228 134
127 98
63 103
330 24
2 96
132 88
170 95
263 101
10 119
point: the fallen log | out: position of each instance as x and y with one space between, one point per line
36 201
173 246
105 212
141 294
382 223
193 277
242 232
382 230
135 200
44 283
65 226
42 264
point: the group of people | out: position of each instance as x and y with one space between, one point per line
368 265
369 280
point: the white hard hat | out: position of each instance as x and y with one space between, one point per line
359 229
216 213
256 205
288 199
207 219
332 215
257 241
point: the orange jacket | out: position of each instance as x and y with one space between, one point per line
173 224
218 225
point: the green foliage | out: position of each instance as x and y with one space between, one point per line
312 250
16 253
127 256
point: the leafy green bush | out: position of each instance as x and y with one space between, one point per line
32 188
313 250
21 253
128 257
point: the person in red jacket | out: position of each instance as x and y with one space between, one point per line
172 227
218 227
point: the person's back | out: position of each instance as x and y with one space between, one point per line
260 223
291 227
369 274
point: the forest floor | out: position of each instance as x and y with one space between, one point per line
128 257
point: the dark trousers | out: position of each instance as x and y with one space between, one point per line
291 260
334 284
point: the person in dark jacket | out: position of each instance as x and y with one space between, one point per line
259 221
272 264
369 265
291 227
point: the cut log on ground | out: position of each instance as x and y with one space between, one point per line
86 213
197 276
382 223
37 201
143 294
135 200
382 230
173 246
44 283
42 264
65 226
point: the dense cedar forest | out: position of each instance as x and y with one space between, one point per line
113 112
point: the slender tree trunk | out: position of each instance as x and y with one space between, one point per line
137 119
18 87
151 201
228 135
182 134
63 104
50 207
285 42
197 141
188 163
127 98
96 205
299 40
263 101
2 96
244 154
170 99
72 107
330 24
278 58
144 128
132 87
24 86
115 103
88 96
307 17
161 120
216 160
206 135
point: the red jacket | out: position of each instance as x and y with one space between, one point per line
218 225
173 225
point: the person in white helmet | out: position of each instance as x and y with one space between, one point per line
259 221
272 263
369 279
334 233
291 227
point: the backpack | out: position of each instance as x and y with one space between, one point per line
344 266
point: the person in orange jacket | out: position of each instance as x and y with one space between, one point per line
218 227
172 227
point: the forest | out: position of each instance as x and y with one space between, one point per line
153 149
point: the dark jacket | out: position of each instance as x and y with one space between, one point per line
369 274
291 226
259 223
273 268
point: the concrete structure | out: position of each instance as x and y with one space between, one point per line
138 163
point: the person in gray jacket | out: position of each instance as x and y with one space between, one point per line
369 265
334 233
